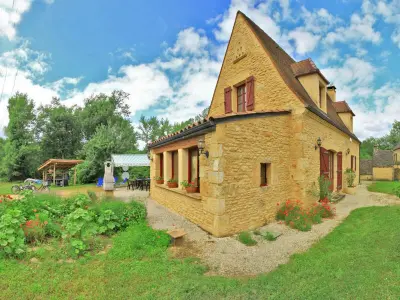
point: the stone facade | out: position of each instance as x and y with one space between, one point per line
280 134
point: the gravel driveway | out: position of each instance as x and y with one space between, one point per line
227 256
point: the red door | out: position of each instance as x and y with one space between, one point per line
326 165
339 171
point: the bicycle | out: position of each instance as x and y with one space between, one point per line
44 187
15 189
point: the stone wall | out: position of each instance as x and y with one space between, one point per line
383 173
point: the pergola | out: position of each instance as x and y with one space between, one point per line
58 164
130 160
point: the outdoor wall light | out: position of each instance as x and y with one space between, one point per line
319 143
347 151
201 145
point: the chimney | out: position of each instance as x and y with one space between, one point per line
332 92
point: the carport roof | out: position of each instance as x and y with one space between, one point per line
130 160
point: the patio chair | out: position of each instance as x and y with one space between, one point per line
100 181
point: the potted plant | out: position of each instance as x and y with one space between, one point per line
190 187
172 183
350 177
159 179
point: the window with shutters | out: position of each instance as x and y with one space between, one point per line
241 98
265 174
193 167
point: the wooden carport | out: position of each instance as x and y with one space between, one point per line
58 164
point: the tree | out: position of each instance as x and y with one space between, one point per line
103 110
60 131
116 138
21 150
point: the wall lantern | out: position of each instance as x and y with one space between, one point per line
347 151
319 143
201 145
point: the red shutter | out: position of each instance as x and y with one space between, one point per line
162 165
339 171
352 161
324 162
228 100
355 163
250 93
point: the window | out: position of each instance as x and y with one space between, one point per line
265 175
162 165
174 165
193 166
354 163
241 98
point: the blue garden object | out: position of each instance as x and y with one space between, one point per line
115 179
125 180
100 181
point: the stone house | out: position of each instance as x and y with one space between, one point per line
274 126
384 165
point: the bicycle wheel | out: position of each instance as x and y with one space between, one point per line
32 188
15 189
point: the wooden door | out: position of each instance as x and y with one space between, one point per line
339 171
326 165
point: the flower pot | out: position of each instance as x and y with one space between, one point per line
350 190
191 189
161 181
172 185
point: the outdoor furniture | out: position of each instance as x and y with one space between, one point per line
100 182
176 236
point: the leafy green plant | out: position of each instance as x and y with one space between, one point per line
12 236
396 191
321 189
350 177
108 222
172 180
245 238
186 184
79 224
269 236
34 230
158 178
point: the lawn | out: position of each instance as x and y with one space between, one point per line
359 260
386 187
5 188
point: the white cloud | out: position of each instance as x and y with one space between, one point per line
396 37
329 54
305 41
190 41
319 20
360 29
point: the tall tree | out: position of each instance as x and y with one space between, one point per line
21 150
60 130
103 110
116 138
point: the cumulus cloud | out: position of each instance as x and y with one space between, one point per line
190 41
305 41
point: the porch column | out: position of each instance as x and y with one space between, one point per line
183 157
54 174
167 166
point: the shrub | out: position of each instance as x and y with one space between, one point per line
350 177
321 190
396 191
245 238
294 215
11 234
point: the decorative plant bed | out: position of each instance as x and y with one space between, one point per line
161 181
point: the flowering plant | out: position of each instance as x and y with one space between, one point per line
186 184
296 216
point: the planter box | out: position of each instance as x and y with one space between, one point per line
191 189
350 190
161 181
172 185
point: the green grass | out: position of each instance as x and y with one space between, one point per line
386 187
360 259
5 187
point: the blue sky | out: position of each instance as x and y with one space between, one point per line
167 56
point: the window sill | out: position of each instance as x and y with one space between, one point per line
196 196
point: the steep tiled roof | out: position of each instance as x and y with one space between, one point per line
306 67
342 107
365 166
283 63
382 158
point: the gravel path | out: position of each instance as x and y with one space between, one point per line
227 256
